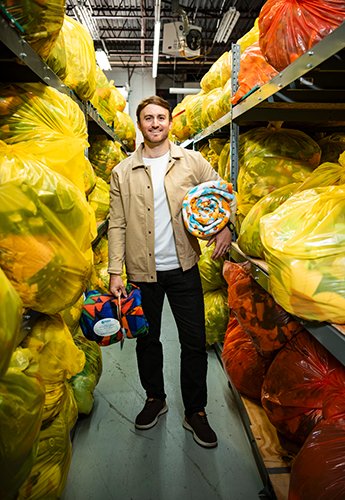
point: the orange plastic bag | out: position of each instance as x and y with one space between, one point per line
319 468
254 70
301 377
288 28
242 362
269 326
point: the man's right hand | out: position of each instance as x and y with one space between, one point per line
116 286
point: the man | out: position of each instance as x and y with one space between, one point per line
146 232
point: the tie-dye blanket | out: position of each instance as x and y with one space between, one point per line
206 208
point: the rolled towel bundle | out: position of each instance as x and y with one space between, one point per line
206 208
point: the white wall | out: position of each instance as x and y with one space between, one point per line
141 85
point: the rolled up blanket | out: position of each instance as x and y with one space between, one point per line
206 208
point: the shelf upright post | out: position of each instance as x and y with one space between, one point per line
234 128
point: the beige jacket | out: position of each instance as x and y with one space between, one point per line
131 224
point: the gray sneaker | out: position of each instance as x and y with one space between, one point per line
203 434
148 417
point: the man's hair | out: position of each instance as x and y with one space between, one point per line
154 99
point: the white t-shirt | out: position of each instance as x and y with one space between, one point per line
165 248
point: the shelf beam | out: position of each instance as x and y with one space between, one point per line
326 48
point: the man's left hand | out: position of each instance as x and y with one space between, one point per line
222 241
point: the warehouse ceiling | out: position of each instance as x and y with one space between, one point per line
126 31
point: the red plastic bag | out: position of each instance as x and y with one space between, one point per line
254 70
242 362
269 326
288 28
302 377
318 471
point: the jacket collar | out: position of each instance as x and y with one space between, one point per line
137 156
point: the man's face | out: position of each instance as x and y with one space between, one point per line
154 124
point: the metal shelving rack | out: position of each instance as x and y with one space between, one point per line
296 96
315 105
23 64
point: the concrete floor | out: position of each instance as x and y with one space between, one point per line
114 461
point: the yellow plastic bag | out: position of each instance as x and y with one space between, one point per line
10 321
41 21
125 129
249 239
58 358
210 270
332 146
193 112
99 199
225 98
304 245
270 158
21 408
37 253
71 315
84 383
107 98
216 315
64 199
51 122
48 475
104 155
80 58
224 162
250 37
180 129
89 177
211 111
326 174
218 74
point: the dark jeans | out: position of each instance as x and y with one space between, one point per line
184 293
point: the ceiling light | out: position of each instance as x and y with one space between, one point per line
184 90
157 32
83 13
156 49
226 26
102 60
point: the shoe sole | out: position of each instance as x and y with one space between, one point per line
197 439
153 423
